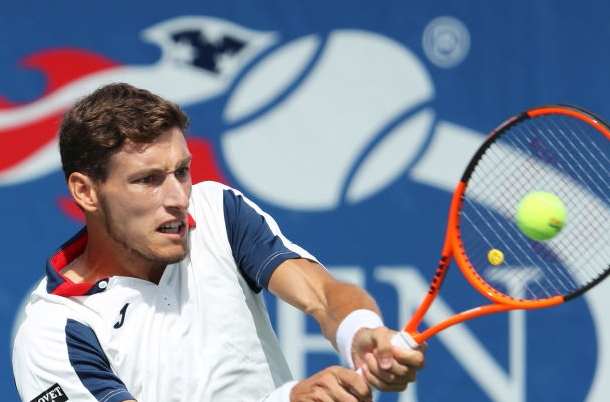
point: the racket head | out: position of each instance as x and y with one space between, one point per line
560 149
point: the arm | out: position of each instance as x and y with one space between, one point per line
267 259
55 355
309 287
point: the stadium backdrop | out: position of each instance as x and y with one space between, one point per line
349 121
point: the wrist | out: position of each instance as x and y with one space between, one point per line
352 323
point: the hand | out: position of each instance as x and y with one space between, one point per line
383 365
336 384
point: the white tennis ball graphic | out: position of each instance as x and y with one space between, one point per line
316 124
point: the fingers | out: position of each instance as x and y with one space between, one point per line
413 358
384 349
395 377
334 384
385 366
378 340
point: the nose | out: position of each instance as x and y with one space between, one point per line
177 193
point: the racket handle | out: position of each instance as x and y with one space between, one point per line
403 340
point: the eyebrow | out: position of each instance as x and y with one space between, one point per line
146 171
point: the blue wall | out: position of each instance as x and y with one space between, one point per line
349 122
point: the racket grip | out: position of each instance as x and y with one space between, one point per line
403 340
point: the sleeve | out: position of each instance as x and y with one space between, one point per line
63 363
257 244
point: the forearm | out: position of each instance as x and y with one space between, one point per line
349 317
311 288
342 299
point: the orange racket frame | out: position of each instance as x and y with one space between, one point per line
453 248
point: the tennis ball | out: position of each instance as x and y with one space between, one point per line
541 215
495 256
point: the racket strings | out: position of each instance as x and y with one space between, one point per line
592 166
588 167
556 153
555 133
482 222
597 171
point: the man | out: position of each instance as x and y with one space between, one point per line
158 298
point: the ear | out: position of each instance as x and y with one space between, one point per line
84 191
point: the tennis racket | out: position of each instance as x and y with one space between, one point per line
560 149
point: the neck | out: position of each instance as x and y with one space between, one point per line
104 259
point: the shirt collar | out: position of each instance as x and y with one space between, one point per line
59 284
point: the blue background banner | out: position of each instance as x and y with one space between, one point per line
349 122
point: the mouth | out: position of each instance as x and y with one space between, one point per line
174 227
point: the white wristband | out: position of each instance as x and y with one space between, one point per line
353 322
281 394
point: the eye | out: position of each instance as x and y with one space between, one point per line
144 180
147 180
182 172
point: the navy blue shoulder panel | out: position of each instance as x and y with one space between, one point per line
91 364
256 249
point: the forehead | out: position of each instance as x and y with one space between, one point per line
168 149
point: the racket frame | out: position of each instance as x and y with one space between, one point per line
453 249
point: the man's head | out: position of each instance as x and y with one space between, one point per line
127 165
97 126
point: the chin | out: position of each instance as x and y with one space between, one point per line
173 258
172 253
166 257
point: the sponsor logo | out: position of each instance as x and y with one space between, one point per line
53 394
122 313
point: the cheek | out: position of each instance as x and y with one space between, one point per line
127 207
139 211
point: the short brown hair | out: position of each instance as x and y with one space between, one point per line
97 126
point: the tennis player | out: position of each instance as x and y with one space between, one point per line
158 298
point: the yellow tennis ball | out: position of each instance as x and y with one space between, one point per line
541 215
495 256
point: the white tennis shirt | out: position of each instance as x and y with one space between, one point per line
201 334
